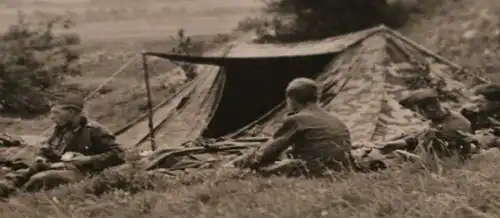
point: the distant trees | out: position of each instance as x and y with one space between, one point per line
34 59
185 45
296 20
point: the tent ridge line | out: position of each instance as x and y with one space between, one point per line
426 51
362 35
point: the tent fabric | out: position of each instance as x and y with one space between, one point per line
368 84
242 51
183 117
362 85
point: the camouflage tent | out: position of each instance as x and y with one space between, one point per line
240 88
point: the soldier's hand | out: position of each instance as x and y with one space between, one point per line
81 160
39 163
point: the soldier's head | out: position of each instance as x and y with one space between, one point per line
67 109
301 92
489 91
426 102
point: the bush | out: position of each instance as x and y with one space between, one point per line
33 60
185 45
297 20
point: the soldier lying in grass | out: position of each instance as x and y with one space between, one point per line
320 142
450 131
78 147
486 113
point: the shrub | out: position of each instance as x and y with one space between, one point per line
185 45
34 58
297 20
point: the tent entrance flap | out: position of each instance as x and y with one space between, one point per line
254 87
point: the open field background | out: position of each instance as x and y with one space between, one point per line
115 31
113 20
465 31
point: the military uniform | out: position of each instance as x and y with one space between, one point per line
87 138
490 91
447 127
74 134
320 143
484 114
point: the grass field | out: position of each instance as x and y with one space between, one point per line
464 31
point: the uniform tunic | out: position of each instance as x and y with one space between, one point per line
88 138
319 139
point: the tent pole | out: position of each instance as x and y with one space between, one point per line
150 102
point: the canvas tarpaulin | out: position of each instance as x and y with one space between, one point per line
246 51
362 85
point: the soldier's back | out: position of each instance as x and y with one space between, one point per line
323 136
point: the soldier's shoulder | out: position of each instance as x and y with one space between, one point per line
460 117
98 127
292 118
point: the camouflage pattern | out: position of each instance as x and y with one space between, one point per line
368 85
362 85
184 117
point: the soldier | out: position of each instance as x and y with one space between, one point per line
447 125
319 141
73 133
490 91
485 114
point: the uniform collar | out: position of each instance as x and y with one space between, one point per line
74 127
306 108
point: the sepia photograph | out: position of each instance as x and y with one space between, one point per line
249 108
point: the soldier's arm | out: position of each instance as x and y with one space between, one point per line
45 152
108 149
282 139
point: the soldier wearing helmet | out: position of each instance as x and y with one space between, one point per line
426 102
484 113
448 125
490 91
319 141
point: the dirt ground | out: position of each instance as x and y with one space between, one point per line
465 31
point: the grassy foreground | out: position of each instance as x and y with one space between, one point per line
470 190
